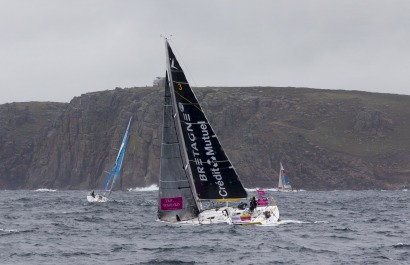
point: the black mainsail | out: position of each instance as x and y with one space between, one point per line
202 167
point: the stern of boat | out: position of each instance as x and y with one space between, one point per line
97 198
262 215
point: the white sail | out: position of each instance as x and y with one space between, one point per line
280 184
284 184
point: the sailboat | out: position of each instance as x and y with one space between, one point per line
284 184
195 172
114 173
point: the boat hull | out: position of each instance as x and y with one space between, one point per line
211 216
97 198
262 215
216 216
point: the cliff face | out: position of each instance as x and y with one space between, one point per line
326 139
22 125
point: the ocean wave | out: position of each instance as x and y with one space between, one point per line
284 222
9 230
401 245
150 188
269 189
320 222
265 189
45 190
292 222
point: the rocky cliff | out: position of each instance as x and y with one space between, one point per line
326 139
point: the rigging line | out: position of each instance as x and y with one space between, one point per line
185 66
194 104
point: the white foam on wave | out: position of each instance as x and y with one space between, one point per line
401 245
150 188
265 189
284 222
320 222
9 230
292 222
268 189
45 190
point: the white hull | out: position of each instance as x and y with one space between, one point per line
97 198
262 215
210 216
216 216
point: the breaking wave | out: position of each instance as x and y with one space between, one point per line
45 190
265 189
150 188
9 230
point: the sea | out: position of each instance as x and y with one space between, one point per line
317 227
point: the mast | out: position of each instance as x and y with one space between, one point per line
180 134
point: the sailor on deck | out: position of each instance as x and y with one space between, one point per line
253 204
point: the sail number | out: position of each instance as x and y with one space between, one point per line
179 86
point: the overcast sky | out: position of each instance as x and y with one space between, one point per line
55 50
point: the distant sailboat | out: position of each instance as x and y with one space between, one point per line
284 184
114 173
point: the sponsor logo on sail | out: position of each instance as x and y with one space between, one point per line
170 204
208 151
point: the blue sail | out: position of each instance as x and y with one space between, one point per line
115 170
110 174
286 180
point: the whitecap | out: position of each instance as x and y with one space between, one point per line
9 230
292 222
401 245
45 190
265 189
150 188
321 222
